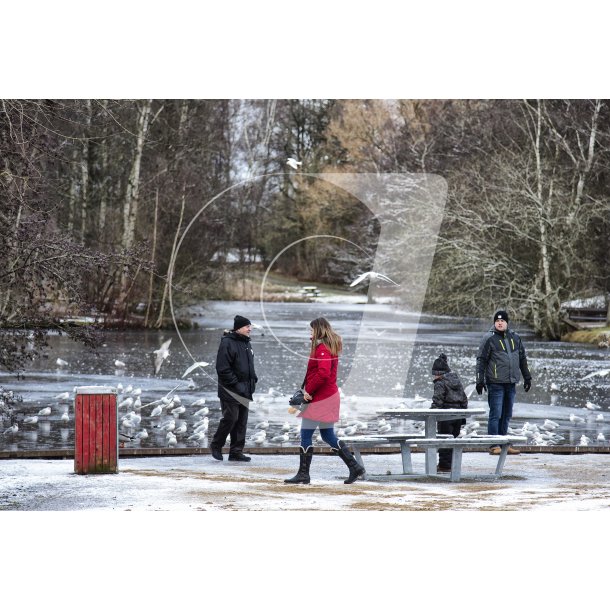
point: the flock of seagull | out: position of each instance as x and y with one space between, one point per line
168 414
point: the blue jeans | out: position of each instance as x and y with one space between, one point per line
500 397
327 432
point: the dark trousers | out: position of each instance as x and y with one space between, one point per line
234 422
447 427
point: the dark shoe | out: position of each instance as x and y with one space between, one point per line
239 457
302 476
216 452
355 470
440 468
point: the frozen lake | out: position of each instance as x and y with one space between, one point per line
387 358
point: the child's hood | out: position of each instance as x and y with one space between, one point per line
452 380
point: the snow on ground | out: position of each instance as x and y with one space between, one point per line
199 483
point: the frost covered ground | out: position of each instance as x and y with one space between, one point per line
199 483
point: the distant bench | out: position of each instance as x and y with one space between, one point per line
431 445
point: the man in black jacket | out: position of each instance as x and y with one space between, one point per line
501 357
236 384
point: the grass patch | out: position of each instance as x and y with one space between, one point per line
589 335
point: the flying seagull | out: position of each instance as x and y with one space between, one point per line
159 355
372 275
193 367
294 163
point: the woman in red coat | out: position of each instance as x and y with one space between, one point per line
323 401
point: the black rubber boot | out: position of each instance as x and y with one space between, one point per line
302 476
355 470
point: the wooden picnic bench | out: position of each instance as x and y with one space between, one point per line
442 441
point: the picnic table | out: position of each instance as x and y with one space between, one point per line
431 442
431 417
310 291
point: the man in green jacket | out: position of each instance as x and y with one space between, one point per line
500 359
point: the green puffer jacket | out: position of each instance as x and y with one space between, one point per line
501 356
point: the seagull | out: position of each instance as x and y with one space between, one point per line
127 403
197 436
285 427
157 411
31 420
45 411
63 396
385 428
203 425
419 398
136 418
601 437
280 438
599 417
168 425
65 417
124 438
549 425
171 439
178 410
119 364
584 440
127 423
201 412
159 355
12 429
60 362
197 365
142 434
261 435
398 386
591 406
294 163
263 425
575 419
555 387
198 403
181 429
601 373
371 275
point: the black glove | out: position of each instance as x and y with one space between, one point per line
527 384
480 387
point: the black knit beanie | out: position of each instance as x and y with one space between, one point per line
239 322
440 366
501 315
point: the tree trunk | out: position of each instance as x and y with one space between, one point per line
152 259
130 205
170 268
84 166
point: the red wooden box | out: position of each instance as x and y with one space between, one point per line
96 430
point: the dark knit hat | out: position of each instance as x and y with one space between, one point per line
440 365
239 322
501 315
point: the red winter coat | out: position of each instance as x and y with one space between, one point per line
321 383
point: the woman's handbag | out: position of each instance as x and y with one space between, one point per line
297 401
